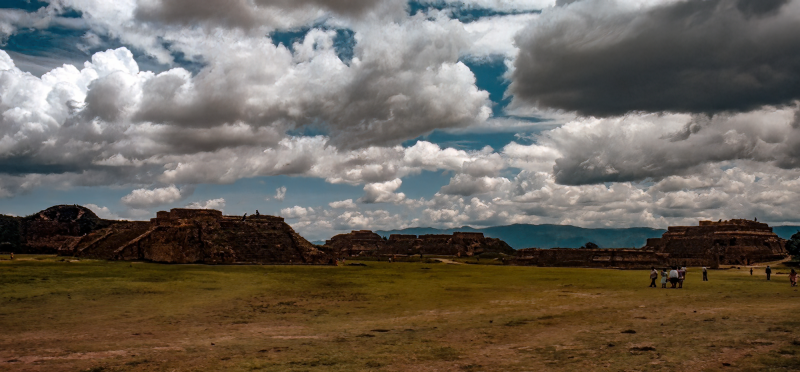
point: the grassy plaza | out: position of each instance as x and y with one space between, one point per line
61 314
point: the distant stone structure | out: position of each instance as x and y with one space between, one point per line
368 243
177 236
207 236
582 257
733 242
202 236
47 231
356 243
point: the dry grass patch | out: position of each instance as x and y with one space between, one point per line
118 316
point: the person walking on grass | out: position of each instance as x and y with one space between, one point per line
653 277
768 271
793 278
681 276
705 274
664 278
751 271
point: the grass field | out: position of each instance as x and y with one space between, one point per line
119 316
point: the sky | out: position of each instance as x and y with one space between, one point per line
342 115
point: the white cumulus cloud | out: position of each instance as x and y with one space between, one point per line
297 212
343 204
383 192
144 198
218 204
280 193
102 212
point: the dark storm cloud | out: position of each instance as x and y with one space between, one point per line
790 158
232 13
241 13
24 164
759 7
596 58
189 141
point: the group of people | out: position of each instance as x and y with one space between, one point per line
677 275
674 276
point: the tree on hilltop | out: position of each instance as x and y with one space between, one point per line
793 245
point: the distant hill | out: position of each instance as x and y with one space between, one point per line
551 236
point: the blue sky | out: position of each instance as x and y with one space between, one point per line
386 114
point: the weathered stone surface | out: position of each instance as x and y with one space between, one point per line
733 242
367 243
49 230
356 243
177 236
582 257
102 243
201 236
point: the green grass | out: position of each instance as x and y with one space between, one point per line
423 316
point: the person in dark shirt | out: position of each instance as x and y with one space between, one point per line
768 271
653 277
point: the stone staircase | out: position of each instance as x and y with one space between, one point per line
110 240
119 252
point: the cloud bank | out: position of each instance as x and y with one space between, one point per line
607 58
628 112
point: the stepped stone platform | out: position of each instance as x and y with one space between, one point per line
368 243
711 244
178 236
732 242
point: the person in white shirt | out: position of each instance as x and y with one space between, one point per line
673 276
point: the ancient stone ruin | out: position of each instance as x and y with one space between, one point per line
582 257
367 243
733 242
712 244
207 236
47 231
177 236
